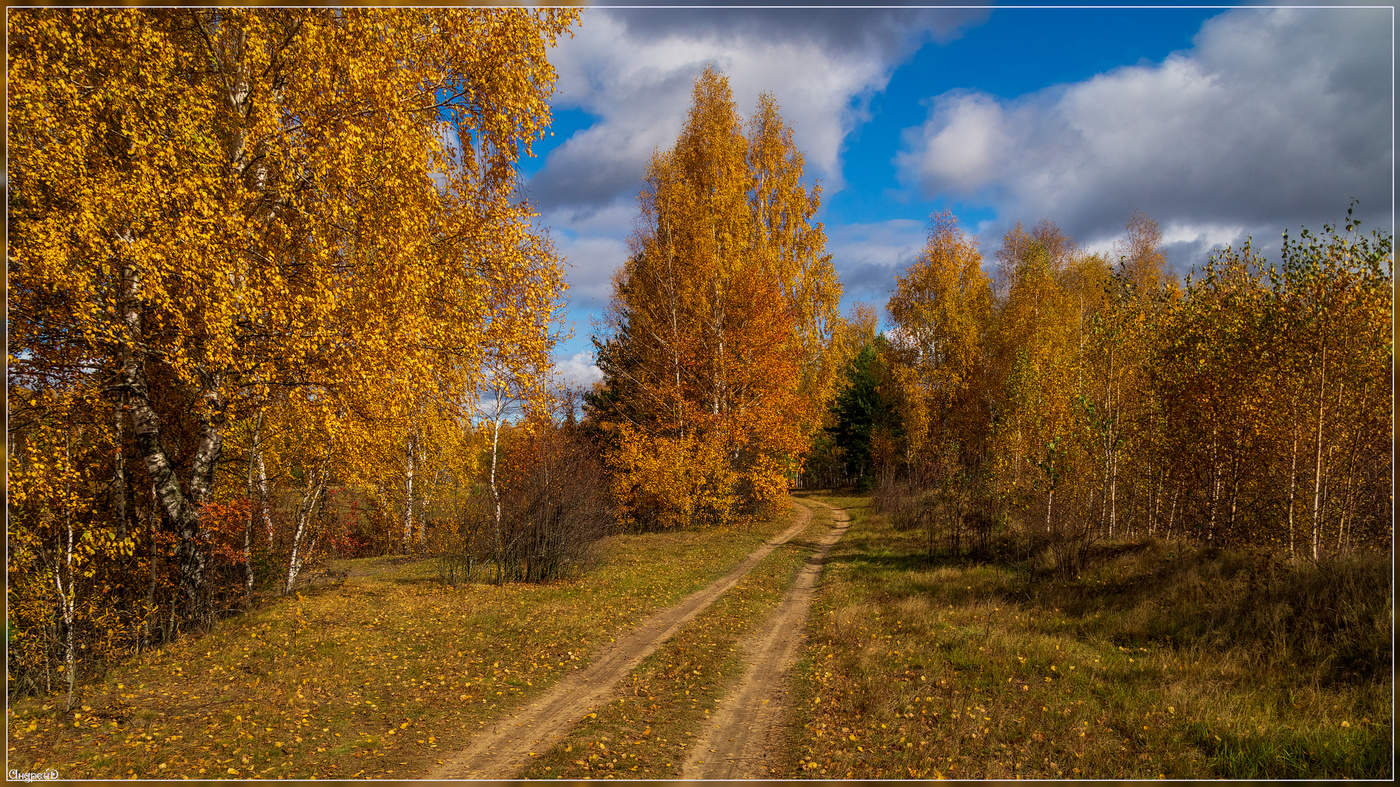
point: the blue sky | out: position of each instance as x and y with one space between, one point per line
1218 123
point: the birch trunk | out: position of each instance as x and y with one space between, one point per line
1317 464
315 483
1112 494
1292 491
119 480
178 504
66 605
1214 481
252 511
425 500
496 495
409 468
1342 480
264 499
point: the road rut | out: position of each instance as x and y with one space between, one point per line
744 734
502 750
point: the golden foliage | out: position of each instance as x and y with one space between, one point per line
299 225
721 321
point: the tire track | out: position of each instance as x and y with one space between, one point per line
502 749
744 733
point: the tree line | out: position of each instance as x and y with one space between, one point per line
1088 398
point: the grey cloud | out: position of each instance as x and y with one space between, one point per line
608 159
589 266
1274 118
1186 256
839 28
633 68
870 280
868 257
579 174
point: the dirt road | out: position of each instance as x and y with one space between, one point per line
745 733
502 750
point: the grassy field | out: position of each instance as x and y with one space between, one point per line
1158 660
382 676
648 731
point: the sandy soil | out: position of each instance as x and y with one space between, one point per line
502 750
744 736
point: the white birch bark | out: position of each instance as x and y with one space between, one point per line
315 484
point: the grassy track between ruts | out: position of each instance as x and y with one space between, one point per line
647 732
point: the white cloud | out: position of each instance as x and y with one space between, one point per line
589 263
966 148
638 82
578 370
868 256
1275 117
634 71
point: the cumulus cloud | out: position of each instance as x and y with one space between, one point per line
868 256
1274 117
589 263
577 370
633 70
637 82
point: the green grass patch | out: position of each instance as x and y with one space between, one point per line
382 676
648 731
1144 666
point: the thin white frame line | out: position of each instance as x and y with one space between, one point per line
1163 6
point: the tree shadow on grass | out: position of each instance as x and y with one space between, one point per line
886 561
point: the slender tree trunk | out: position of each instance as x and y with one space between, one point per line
496 494
1149 506
1016 455
1234 493
1292 491
66 594
70 661
1112 453
409 468
252 509
1103 490
50 636
1113 494
264 498
1341 480
425 500
1171 516
119 479
1214 481
1317 464
315 484
147 631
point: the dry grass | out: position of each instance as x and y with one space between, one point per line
648 731
1160 660
382 676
